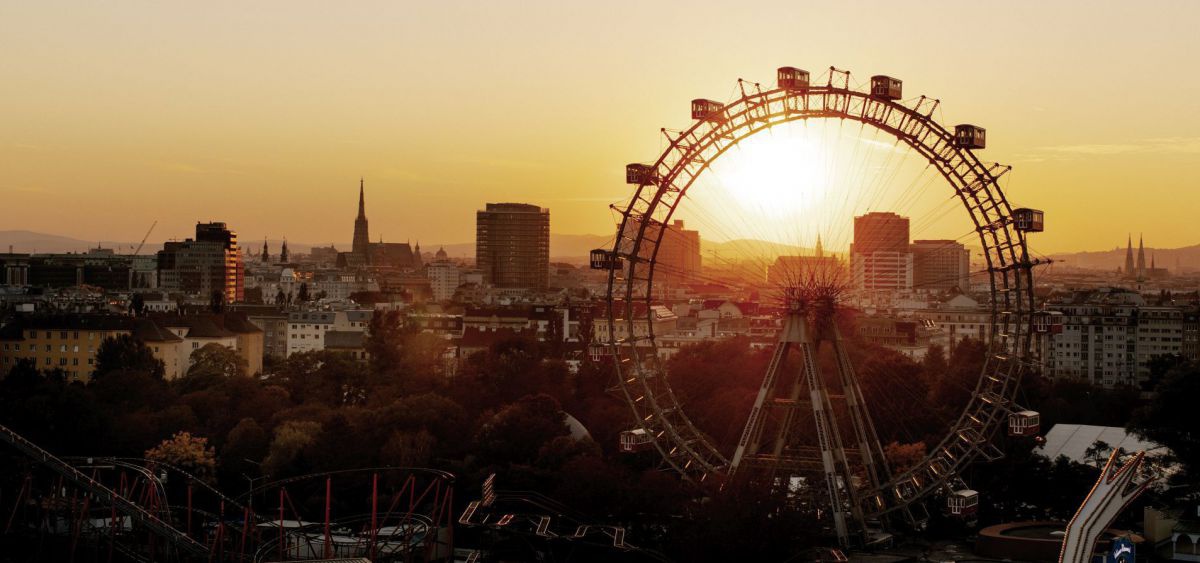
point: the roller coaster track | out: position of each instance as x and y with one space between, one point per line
123 505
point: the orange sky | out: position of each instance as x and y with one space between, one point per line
264 114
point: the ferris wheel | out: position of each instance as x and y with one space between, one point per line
859 486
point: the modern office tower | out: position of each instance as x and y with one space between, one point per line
512 245
212 262
940 265
678 255
879 256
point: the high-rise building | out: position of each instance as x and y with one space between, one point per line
210 263
512 245
879 256
940 265
678 255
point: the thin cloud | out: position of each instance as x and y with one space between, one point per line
1167 145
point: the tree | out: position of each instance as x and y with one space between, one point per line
291 438
137 304
124 352
280 297
517 433
187 452
247 441
1170 417
216 302
217 360
303 296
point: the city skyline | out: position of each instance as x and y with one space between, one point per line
154 127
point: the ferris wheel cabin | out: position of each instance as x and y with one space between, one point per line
970 136
886 87
707 109
792 78
603 259
640 174
637 440
1024 423
963 503
1029 220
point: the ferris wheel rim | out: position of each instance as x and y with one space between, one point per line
693 454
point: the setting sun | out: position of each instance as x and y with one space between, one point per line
779 173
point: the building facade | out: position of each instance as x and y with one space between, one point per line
512 245
678 257
940 265
879 256
210 263
1110 336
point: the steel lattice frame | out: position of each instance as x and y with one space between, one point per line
640 372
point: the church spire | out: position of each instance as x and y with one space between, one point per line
1129 256
820 249
266 256
362 203
361 242
1141 259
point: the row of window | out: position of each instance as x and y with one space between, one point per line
48 360
63 334
16 347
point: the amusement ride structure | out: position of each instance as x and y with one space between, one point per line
847 465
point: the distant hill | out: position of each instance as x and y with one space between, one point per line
29 242
1188 257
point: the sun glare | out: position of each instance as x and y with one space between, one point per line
777 173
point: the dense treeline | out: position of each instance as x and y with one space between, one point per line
503 411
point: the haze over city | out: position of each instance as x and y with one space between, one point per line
604 282
184 113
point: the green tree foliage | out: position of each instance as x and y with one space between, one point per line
187 452
1170 418
216 360
124 352
287 447
517 432
245 447
322 376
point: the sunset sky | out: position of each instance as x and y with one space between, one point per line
265 114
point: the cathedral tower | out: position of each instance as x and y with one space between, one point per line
1129 273
362 239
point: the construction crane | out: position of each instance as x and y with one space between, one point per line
148 231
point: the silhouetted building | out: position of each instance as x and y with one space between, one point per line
362 239
365 253
879 256
678 255
940 265
512 245
210 263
